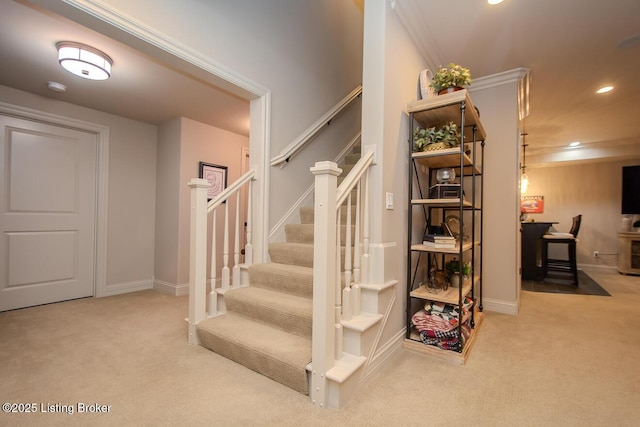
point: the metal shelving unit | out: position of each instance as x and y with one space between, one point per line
467 161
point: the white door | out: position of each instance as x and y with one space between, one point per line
47 213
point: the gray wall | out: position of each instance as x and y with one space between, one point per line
308 54
132 186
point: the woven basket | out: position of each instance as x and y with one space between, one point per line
436 146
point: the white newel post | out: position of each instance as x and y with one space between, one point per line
198 256
324 276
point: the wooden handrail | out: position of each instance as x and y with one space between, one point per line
290 150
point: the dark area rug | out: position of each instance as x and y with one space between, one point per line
560 283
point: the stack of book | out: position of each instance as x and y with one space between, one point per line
439 241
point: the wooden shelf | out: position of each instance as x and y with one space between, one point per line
445 108
450 296
446 158
422 248
443 203
414 344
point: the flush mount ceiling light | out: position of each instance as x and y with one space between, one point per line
574 144
84 61
492 2
605 89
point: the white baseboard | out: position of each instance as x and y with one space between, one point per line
500 306
123 288
171 288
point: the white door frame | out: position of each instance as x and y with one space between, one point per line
149 40
102 180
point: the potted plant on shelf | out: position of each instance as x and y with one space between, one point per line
455 270
450 78
446 136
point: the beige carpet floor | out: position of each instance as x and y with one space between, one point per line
565 360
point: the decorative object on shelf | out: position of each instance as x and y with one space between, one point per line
437 278
446 175
437 281
444 191
451 78
453 222
455 270
424 87
429 139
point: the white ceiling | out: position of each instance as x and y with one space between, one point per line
140 87
572 47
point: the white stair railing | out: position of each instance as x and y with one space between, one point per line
201 304
331 303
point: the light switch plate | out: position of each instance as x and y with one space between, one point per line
389 201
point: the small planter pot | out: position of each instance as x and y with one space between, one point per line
449 90
454 280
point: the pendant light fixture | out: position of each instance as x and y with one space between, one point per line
84 61
524 179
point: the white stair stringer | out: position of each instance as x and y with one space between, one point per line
361 339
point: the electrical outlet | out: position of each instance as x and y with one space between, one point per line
596 254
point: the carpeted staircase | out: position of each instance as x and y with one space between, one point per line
267 325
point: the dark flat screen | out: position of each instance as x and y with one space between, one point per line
631 190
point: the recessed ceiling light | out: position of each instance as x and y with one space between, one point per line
84 61
605 89
492 2
574 144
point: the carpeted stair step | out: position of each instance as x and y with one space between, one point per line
288 312
290 279
296 254
303 233
270 351
292 253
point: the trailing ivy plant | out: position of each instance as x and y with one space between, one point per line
447 134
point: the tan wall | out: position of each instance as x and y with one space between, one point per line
200 142
499 116
593 190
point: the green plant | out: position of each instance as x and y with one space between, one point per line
453 267
452 75
449 134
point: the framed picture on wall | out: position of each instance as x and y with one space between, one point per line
532 204
217 177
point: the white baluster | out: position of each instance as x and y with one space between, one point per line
338 287
236 245
356 243
213 295
355 289
347 246
346 293
365 233
248 249
225 249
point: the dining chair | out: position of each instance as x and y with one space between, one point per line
569 239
